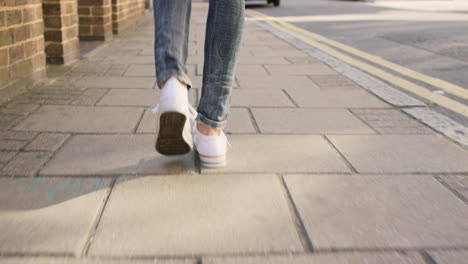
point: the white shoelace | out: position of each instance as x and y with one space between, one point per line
193 115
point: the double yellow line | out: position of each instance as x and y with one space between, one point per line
325 45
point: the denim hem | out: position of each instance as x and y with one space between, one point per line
211 123
162 77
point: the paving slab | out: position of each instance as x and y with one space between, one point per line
262 60
114 155
339 98
333 80
82 119
19 109
308 121
322 258
47 142
17 135
117 82
378 211
140 70
239 122
90 96
12 145
449 256
5 156
49 216
286 153
190 215
264 52
301 59
25 164
401 153
138 97
309 69
243 69
272 82
458 183
260 98
391 121
60 260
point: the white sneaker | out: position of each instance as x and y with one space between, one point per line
174 135
211 149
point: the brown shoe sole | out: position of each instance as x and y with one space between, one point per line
170 137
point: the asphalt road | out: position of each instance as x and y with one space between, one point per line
430 37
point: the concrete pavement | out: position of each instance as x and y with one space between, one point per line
321 170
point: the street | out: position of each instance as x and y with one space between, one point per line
429 37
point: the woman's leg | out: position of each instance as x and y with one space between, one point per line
222 43
171 23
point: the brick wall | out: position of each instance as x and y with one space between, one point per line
124 13
95 19
21 42
61 31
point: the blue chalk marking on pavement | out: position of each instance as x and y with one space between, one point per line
98 185
34 184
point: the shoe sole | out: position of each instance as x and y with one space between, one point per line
170 137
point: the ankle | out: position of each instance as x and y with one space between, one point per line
208 131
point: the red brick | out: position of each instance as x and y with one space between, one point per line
40 44
84 11
6 37
14 17
68 8
37 29
90 2
39 14
22 2
29 14
10 2
2 18
53 35
84 30
30 48
52 22
22 33
38 61
4 76
51 9
16 53
70 33
4 56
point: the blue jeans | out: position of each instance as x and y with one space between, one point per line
222 43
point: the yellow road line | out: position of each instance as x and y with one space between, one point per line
441 84
391 78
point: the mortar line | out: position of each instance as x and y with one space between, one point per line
87 176
294 212
36 174
347 162
290 98
92 232
450 189
102 96
254 121
259 253
364 121
140 118
427 258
